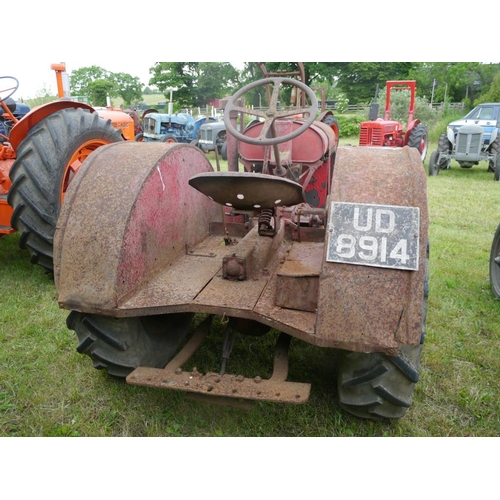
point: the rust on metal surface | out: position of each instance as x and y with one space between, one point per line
172 254
142 213
370 309
297 281
229 386
276 388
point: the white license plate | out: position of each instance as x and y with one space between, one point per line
374 235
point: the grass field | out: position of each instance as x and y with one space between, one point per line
48 389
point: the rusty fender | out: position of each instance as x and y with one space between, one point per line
128 212
373 309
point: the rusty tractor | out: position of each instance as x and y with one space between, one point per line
298 239
391 133
41 155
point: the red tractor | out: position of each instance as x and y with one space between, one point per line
40 154
390 133
298 239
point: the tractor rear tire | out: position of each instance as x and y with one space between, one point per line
378 387
419 139
433 166
121 345
494 149
495 264
332 122
47 160
375 386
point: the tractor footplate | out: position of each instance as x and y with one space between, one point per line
275 389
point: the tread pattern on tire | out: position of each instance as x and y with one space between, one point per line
417 135
119 345
37 175
375 386
444 146
494 149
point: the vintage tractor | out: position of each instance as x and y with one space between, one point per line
468 143
212 136
165 127
391 133
297 240
40 156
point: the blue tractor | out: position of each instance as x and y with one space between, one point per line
180 127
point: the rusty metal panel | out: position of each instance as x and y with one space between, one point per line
308 147
193 271
297 280
129 212
363 308
300 324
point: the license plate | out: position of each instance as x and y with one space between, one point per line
374 235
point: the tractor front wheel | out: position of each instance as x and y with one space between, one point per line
121 345
47 160
169 138
496 175
495 150
419 139
444 146
223 151
433 166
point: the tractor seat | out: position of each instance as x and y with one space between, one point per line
247 190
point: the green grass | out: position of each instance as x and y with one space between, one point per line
48 389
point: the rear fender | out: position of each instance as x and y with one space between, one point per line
23 126
128 213
373 309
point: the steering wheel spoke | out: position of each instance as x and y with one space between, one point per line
272 113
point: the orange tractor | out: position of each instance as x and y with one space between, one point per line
40 153
300 239
391 133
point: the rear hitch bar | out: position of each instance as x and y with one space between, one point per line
275 389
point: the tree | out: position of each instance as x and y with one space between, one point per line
455 82
128 87
358 80
82 83
81 78
314 72
493 94
98 91
194 83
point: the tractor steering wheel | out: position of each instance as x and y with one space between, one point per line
273 113
12 89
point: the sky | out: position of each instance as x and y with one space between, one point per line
131 40
37 75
